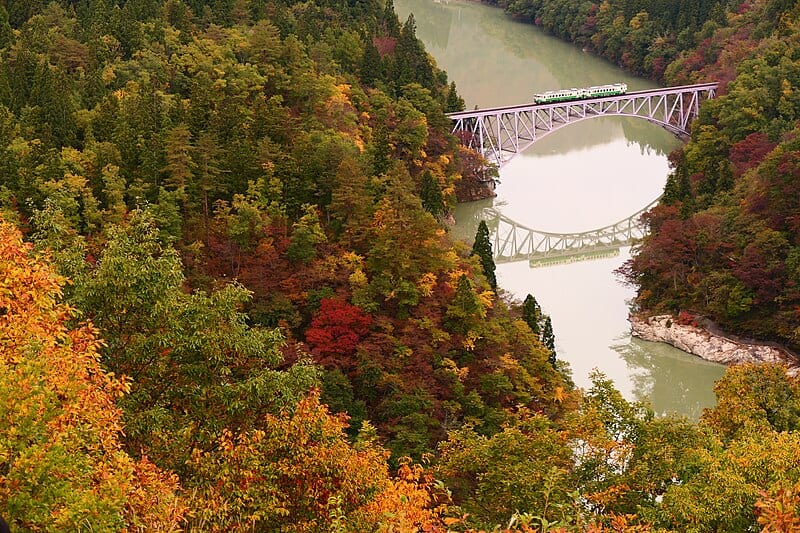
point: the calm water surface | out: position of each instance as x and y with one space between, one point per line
583 177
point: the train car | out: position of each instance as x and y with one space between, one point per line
613 89
595 91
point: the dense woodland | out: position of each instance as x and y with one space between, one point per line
229 302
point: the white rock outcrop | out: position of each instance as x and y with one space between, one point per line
707 345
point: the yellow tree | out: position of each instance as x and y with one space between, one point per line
61 463
299 473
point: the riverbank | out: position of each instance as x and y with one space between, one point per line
703 341
472 190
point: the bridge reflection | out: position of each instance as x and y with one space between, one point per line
512 242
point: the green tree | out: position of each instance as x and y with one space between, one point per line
180 167
526 467
53 104
411 60
465 307
306 235
677 189
454 101
722 492
389 22
299 473
208 171
6 34
405 244
431 194
371 69
755 397
381 151
482 247
61 463
114 194
196 365
549 339
532 314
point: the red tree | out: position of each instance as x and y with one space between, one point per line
749 152
336 329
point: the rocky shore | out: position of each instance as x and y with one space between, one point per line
711 346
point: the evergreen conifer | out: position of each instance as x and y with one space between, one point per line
532 314
549 339
454 101
371 65
483 249
431 194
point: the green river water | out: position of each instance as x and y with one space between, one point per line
583 177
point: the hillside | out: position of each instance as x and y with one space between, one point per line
228 301
245 198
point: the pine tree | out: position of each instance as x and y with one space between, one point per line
454 101
208 172
465 307
677 189
6 35
180 167
389 20
371 65
53 105
549 339
19 12
431 194
685 194
532 314
411 60
670 195
351 206
483 249
381 151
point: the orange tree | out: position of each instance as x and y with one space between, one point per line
300 473
62 466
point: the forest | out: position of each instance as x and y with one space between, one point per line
229 300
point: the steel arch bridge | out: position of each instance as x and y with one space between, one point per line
513 242
500 133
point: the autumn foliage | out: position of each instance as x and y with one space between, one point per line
60 451
299 473
336 329
229 185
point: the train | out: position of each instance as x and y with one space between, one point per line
596 91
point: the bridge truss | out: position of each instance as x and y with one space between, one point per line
513 242
500 133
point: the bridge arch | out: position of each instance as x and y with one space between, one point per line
502 132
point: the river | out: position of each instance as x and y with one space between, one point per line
582 177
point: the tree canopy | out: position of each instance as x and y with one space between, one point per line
228 300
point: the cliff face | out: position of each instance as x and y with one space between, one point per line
707 345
